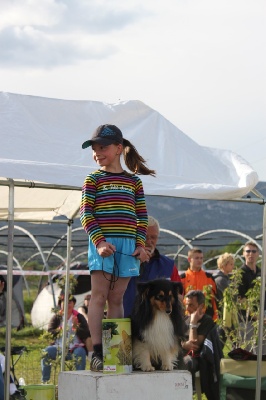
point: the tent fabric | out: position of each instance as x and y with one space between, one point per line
33 203
41 142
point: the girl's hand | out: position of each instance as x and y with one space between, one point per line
105 249
141 254
150 251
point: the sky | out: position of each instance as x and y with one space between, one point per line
199 63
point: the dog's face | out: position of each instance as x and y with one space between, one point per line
160 293
163 301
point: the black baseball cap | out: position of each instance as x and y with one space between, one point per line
105 135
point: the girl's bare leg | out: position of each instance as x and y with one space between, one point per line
99 293
115 299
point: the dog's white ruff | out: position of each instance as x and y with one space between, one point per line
159 343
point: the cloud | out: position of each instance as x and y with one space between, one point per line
54 33
99 17
28 47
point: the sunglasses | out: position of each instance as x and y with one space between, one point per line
251 251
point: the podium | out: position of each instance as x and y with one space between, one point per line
157 385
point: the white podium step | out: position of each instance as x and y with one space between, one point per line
158 385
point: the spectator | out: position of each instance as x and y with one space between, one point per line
197 279
15 394
159 266
87 300
225 265
78 338
85 307
250 272
199 327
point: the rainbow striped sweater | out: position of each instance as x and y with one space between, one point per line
113 205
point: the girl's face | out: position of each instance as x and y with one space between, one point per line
108 157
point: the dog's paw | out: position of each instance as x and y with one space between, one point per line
167 367
147 368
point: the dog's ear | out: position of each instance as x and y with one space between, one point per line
178 287
142 287
143 290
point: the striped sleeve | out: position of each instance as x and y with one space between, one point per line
142 216
87 218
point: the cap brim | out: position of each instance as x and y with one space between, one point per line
103 141
86 144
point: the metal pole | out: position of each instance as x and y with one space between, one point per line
69 238
261 310
9 286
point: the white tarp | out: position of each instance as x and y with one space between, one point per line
41 141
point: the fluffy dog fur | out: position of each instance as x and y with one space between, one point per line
157 324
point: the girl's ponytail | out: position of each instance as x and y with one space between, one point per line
134 161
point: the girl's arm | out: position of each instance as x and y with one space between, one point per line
142 215
87 219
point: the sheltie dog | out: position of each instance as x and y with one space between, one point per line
157 324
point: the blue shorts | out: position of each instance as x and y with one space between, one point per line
120 264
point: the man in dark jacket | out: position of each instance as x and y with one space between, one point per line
78 337
159 266
199 326
250 272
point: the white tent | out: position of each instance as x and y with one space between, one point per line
41 142
43 166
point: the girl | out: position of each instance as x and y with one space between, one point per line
113 213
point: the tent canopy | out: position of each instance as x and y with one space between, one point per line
41 142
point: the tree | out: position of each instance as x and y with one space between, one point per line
241 315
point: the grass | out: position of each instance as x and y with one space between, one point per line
27 364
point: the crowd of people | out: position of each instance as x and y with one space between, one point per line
200 312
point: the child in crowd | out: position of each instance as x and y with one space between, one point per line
113 213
